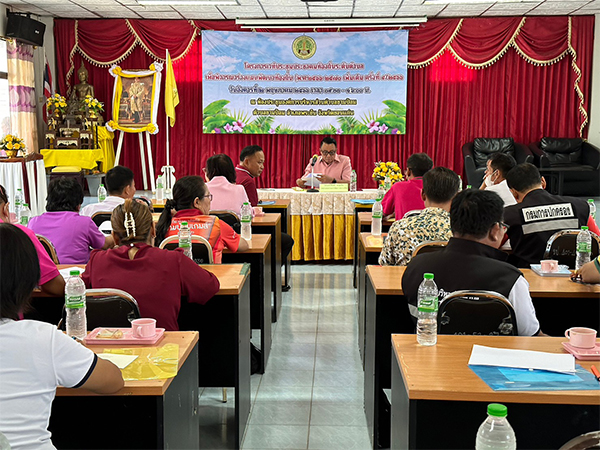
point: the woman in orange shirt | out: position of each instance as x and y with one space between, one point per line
191 201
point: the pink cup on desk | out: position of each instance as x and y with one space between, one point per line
258 211
549 265
581 337
143 328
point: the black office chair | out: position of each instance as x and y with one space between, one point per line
229 217
49 247
429 247
562 246
411 213
201 248
477 312
585 441
107 308
100 217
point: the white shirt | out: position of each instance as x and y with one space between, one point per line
520 299
35 358
504 192
110 203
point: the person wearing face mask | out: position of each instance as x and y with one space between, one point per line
498 165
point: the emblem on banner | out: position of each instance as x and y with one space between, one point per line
304 47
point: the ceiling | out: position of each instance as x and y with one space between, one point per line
261 9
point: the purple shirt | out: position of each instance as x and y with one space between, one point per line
71 234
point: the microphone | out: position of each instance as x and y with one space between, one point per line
312 174
314 160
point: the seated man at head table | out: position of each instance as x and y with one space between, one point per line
440 185
35 356
498 165
51 281
252 163
329 167
538 215
472 259
406 195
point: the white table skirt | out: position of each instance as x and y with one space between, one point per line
317 203
11 177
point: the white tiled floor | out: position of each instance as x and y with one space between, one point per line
311 395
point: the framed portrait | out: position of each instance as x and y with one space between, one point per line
135 99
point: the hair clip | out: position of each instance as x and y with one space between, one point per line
129 223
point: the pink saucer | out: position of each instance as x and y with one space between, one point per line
583 353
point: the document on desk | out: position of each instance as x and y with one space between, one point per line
522 359
315 183
66 272
121 361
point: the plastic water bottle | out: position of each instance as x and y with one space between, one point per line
353 179
19 200
101 193
25 215
387 183
495 433
380 192
185 240
246 221
376 217
427 304
469 186
75 306
584 247
459 183
592 208
160 191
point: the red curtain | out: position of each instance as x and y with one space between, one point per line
448 102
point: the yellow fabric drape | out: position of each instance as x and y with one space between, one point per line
323 237
105 141
86 159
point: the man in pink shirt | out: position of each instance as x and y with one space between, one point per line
329 167
406 195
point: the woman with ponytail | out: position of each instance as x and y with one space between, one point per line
156 278
191 203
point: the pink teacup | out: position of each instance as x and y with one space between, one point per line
258 211
581 337
143 328
549 265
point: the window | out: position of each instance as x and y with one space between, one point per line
4 105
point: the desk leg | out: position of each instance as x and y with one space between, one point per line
242 376
361 278
355 256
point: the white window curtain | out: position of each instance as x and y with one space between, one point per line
21 91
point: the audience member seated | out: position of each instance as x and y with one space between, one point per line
191 201
120 186
498 165
538 215
440 185
406 195
156 278
51 281
221 175
590 272
471 260
329 167
35 357
71 234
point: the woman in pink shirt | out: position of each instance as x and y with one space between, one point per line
221 177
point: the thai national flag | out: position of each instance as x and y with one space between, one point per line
47 83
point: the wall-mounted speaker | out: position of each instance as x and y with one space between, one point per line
24 29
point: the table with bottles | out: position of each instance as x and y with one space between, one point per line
439 402
28 174
322 224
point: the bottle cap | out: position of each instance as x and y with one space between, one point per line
497 410
101 185
591 200
74 272
184 224
245 203
26 204
428 276
584 228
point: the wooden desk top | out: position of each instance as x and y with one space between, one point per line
266 220
258 244
186 341
279 203
372 243
364 218
441 372
387 280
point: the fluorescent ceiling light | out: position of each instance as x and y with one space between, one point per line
187 2
375 22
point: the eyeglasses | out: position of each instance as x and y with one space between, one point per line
330 153
503 225
209 196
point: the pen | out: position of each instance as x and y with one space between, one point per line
596 373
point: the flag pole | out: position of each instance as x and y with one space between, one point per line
167 175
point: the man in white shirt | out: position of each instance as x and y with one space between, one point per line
498 165
120 186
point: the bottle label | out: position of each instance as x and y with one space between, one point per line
75 301
24 220
247 219
377 215
584 247
428 304
184 244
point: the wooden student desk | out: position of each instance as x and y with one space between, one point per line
281 206
438 402
165 410
259 257
386 312
362 215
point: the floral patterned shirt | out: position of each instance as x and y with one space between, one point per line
433 224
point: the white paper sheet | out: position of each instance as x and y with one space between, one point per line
121 361
523 359
316 182
66 272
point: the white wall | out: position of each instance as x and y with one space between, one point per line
594 108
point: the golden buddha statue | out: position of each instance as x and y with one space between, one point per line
83 88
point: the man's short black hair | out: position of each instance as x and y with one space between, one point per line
474 212
64 194
440 184
117 179
503 162
419 164
523 177
249 151
328 140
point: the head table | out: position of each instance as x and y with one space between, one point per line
322 224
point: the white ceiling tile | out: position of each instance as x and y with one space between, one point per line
284 14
